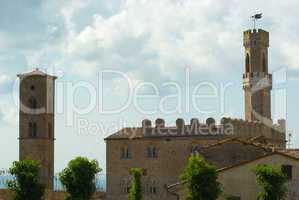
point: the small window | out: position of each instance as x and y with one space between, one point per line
195 150
126 153
125 186
128 189
288 171
247 63
32 129
32 87
233 198
264 64
153 188
152 152
49 130
32 103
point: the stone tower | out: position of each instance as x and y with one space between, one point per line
36 140
257 82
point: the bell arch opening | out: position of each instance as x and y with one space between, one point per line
247 63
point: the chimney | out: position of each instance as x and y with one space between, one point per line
194 122
160 123
210 121
146 123
180 125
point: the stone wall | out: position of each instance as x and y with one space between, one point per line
8 195
241 181
274 134
165 169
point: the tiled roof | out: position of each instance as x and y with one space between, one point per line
35 72
140 132
249 141
291 152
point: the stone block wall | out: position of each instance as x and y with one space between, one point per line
8 195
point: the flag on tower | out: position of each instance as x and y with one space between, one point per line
257 16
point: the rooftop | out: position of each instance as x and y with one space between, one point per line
35 72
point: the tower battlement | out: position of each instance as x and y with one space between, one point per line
251 129
273 134
254 36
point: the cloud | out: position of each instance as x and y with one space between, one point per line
6 84
166 34
290 53
9 115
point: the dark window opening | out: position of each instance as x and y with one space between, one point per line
32 103
49 130
128 189
152 152
32 87
247 63
264 64
32 129
195 150
233 198
288 171
153 190
126 153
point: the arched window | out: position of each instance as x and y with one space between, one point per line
153 188
264 63
247 63
32 129
32 103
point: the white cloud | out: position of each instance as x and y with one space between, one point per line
169 35
290 52
6 83
9 115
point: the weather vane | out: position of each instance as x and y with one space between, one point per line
255 18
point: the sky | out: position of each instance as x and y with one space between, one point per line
121 61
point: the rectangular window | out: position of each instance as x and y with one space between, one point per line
126 153
288 171
32 129
49 130
152 152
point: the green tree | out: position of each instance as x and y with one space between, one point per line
272 182
201 180
135 190
26 184
78 178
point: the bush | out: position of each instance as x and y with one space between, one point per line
272 182
79 178
201 180
27 180
135 190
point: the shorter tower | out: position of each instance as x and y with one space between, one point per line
257 82
36 115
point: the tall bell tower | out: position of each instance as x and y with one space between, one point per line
257 82
36 129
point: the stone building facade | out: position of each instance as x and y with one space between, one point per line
163 151
239 181
36 129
